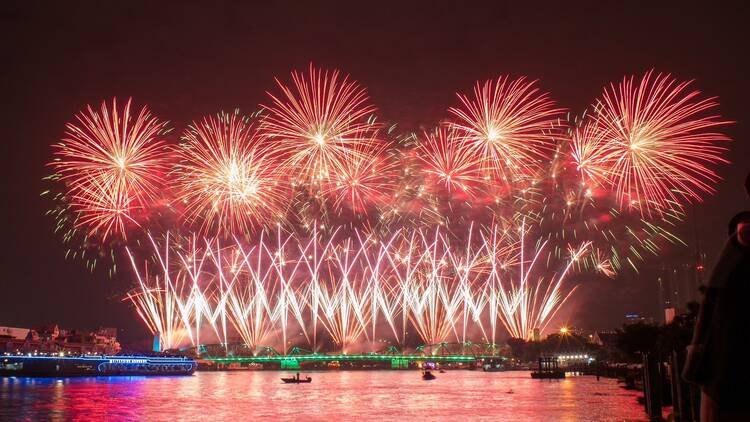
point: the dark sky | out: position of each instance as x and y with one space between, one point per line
186 61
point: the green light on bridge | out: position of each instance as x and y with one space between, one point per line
295 360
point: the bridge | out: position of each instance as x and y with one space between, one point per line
396 361
443 353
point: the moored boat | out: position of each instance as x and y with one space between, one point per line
494 365
548 375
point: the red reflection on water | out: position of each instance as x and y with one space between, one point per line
382 395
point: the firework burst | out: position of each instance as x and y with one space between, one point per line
112 163
226 181
451 162
654 141
588 152
368 181
320 124
510 125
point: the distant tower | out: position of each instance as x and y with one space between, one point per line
667 281
536 335
699 263
700 259
157 343
662 293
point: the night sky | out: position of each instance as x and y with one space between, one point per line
187 61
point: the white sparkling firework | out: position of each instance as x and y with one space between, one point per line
354 289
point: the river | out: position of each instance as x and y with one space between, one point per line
332 396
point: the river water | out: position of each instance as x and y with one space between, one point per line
332 396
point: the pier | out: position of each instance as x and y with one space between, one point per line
549 368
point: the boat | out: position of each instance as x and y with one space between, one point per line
234 366
548 369
555 375
94 365
296 380
428 376
494 365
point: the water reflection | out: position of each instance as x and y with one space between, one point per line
382 395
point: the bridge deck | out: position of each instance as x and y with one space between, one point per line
347 357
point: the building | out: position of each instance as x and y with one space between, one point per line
52 339
12 332
536 334
637 318
678 286
606 339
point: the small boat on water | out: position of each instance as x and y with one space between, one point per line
428 376
296 380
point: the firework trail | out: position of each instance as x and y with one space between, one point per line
344 286
566 205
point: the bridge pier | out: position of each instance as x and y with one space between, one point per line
290 363
399 363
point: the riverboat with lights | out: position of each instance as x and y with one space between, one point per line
93 365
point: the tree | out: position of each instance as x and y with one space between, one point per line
517 347
638 338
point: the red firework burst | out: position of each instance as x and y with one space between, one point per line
450 161
319 124
369 179
225 180
510 125
589 153
653 140
112 163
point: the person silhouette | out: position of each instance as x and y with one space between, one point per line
715 357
